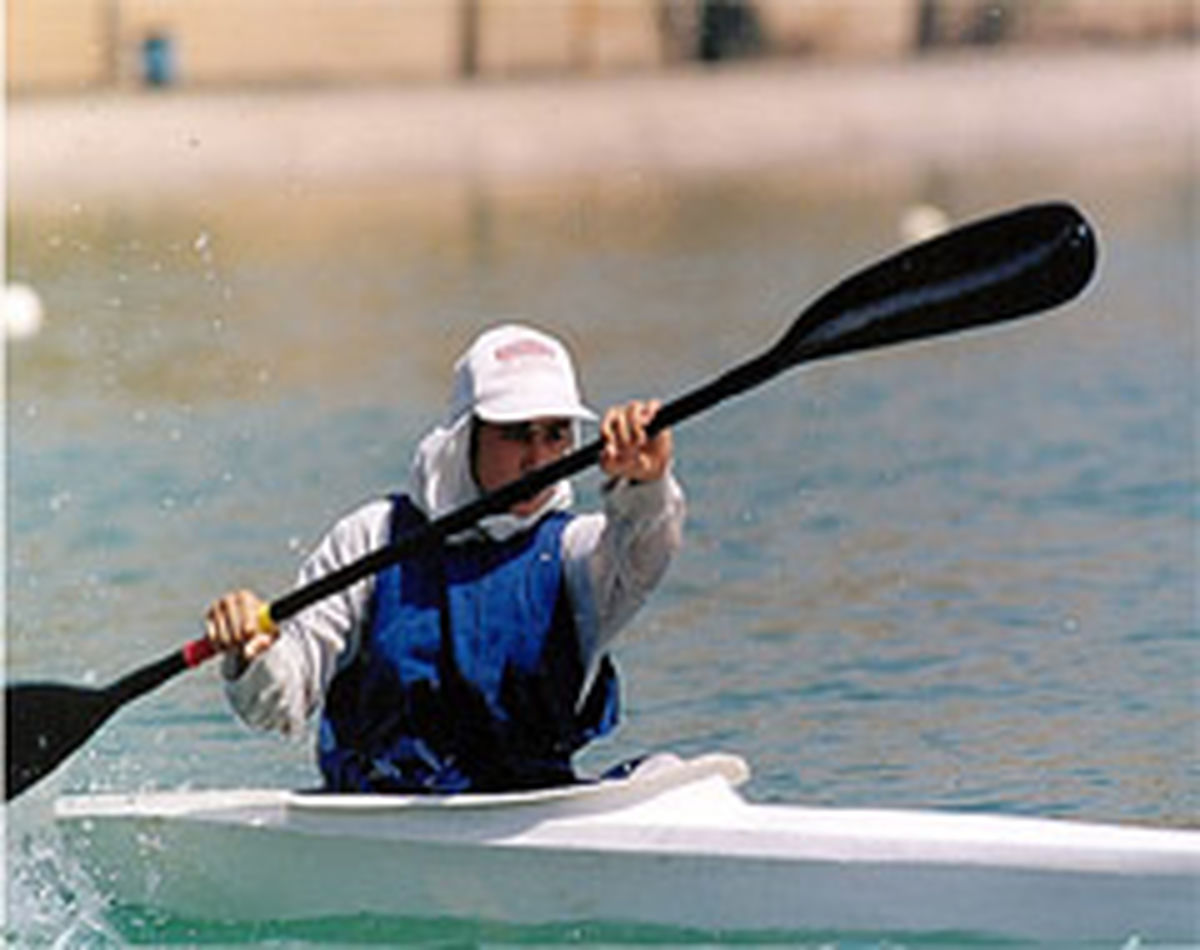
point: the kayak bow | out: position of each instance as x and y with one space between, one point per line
674 845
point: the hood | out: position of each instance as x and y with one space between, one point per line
441 481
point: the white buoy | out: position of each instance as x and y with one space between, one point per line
920 222
23 312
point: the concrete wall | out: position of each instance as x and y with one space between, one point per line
1059 21
337 40
69 45
1110 20
78 43
255 41
848 29
58 44
538 36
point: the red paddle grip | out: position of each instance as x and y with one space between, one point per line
197 651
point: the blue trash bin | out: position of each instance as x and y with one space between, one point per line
158 60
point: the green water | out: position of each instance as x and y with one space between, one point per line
953 576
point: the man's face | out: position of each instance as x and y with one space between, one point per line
506 451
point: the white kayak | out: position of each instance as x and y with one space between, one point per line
674 845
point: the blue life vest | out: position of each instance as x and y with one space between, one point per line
469 676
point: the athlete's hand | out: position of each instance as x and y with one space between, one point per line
629 451
232 623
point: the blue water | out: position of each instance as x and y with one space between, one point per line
957 575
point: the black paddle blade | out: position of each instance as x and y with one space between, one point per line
1011 265
996 269
44 724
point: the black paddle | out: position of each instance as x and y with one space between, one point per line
996 269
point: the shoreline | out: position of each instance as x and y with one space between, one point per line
1079 108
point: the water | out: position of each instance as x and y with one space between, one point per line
958 575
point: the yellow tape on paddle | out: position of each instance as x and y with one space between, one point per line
265 623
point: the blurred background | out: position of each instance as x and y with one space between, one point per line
69 45
246 240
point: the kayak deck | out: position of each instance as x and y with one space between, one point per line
673 845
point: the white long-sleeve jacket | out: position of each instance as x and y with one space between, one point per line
611 559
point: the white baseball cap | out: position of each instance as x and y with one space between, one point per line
514 373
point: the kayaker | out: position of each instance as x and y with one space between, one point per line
483 665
